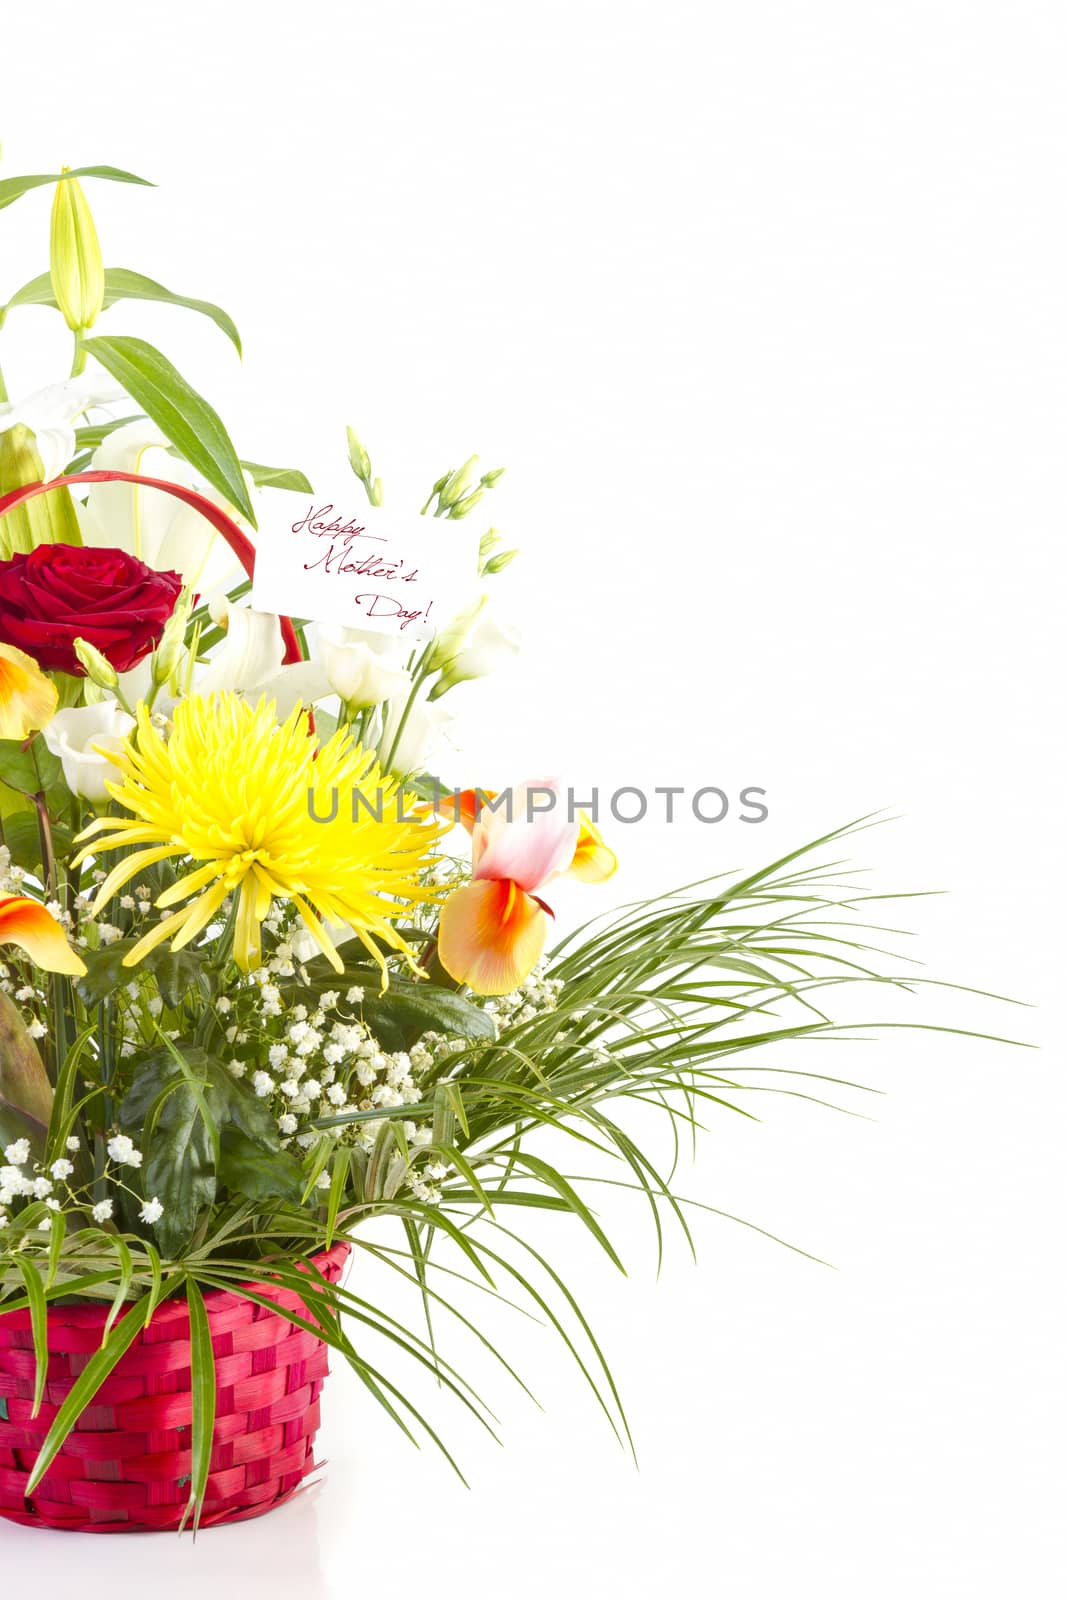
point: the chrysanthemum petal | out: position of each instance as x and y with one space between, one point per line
128 868
155 936
188 885
200 914
227 790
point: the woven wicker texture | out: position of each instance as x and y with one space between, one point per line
125 1468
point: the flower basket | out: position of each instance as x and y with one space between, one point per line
125 1466
273 977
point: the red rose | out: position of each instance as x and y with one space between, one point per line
62 592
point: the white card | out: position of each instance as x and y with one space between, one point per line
333 560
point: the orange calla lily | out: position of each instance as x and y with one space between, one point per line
27 698
34 929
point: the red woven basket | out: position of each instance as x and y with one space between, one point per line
125 1467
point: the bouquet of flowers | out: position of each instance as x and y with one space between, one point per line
239 1018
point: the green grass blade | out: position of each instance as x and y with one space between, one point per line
202 1377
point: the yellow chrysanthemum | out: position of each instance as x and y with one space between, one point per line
233 791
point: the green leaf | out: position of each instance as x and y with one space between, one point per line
100 1365
249 1168
407 1009
38 292
39 1323
555 1180
202 1383
12 189
23 838
277 477
122 284
105 972
177 972
24 1085
179 1159
175 407
31 770
92 434
167 1111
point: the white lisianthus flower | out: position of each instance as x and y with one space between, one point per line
79 736
475 645
357 671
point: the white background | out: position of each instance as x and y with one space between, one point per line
765 308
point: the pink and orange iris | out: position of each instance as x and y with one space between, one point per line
493 930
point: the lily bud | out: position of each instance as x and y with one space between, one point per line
491 479
76 266
98 668
499 562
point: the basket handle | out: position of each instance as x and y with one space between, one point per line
239 542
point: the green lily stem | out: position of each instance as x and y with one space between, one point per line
77 366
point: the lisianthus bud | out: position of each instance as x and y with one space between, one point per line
358 456
449 641
491 479
172 641
457 483
497 563
98 668
76 266
463 508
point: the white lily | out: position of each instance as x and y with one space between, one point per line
50 415
250 661
79 735
155 527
